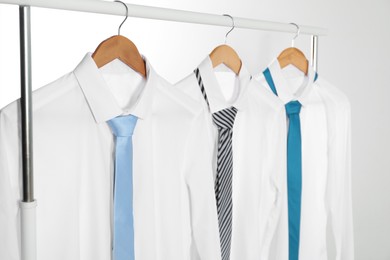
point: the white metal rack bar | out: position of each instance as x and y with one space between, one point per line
113 8
28 203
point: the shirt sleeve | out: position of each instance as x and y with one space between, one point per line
339 179
10 170
201 207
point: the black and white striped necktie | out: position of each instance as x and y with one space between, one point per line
224 120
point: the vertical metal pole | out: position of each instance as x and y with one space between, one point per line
314 52
28 204
26 105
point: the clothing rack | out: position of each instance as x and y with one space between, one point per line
28 203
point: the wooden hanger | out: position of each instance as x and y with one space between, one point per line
294 56
119 47
226 54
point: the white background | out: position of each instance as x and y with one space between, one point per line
354 56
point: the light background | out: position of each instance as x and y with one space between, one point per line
354 56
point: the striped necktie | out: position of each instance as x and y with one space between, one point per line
294 177
123 244
224 121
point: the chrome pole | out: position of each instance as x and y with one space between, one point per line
26 105
314 52
28 204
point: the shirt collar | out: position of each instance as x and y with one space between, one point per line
214 95
99 97
284 91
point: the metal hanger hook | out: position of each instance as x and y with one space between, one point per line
296 33
127 14
233 26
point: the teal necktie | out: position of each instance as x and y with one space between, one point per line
123 244
294 169
294 177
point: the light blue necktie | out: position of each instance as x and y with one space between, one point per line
123 247
294 177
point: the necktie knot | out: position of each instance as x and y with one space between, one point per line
224 119
293 107
123 125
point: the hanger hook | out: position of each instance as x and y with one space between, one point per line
127 14
233 26
296 33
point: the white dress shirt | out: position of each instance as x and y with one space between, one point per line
326 173
258 168
74 164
